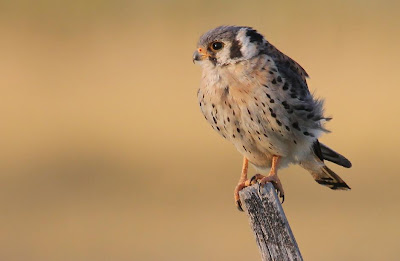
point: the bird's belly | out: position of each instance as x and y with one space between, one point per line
255 118
251 133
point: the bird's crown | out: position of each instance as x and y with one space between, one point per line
229 44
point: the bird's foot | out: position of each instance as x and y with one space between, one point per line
241 186
273 178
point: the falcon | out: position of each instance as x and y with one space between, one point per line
257 98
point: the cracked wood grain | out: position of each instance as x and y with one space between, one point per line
274 237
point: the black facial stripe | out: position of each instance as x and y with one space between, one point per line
235 49
213 59
254 36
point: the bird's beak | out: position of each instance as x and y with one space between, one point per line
199 55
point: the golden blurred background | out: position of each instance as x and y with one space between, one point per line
106 156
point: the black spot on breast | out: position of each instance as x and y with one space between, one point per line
235 49
213 105
272 101
295 142
285 86
215 121
273 114
287 128
293 95
238 130
265 135
279 79
248 111
271 72
266 86
218 128
263 104
229 120
258 132
279 123
233 136
274 81
226 90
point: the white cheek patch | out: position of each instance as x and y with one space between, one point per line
248 49
223 56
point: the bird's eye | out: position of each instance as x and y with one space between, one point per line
217 46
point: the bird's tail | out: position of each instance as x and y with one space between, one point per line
327 177
333 156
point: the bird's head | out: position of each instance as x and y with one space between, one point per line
226 45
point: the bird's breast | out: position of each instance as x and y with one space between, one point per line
243 105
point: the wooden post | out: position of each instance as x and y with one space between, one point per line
269 224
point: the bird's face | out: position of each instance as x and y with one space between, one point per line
226 45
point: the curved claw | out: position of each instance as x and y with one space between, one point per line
277 185
239 205
280 195
259 190
253 179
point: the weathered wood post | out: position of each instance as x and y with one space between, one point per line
269 224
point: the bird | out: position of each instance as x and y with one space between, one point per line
257 98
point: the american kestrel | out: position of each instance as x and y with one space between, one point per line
257 98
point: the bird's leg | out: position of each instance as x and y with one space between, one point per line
272 177
243 182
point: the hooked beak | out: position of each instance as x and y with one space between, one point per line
199 55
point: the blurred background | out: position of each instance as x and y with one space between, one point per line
105 155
